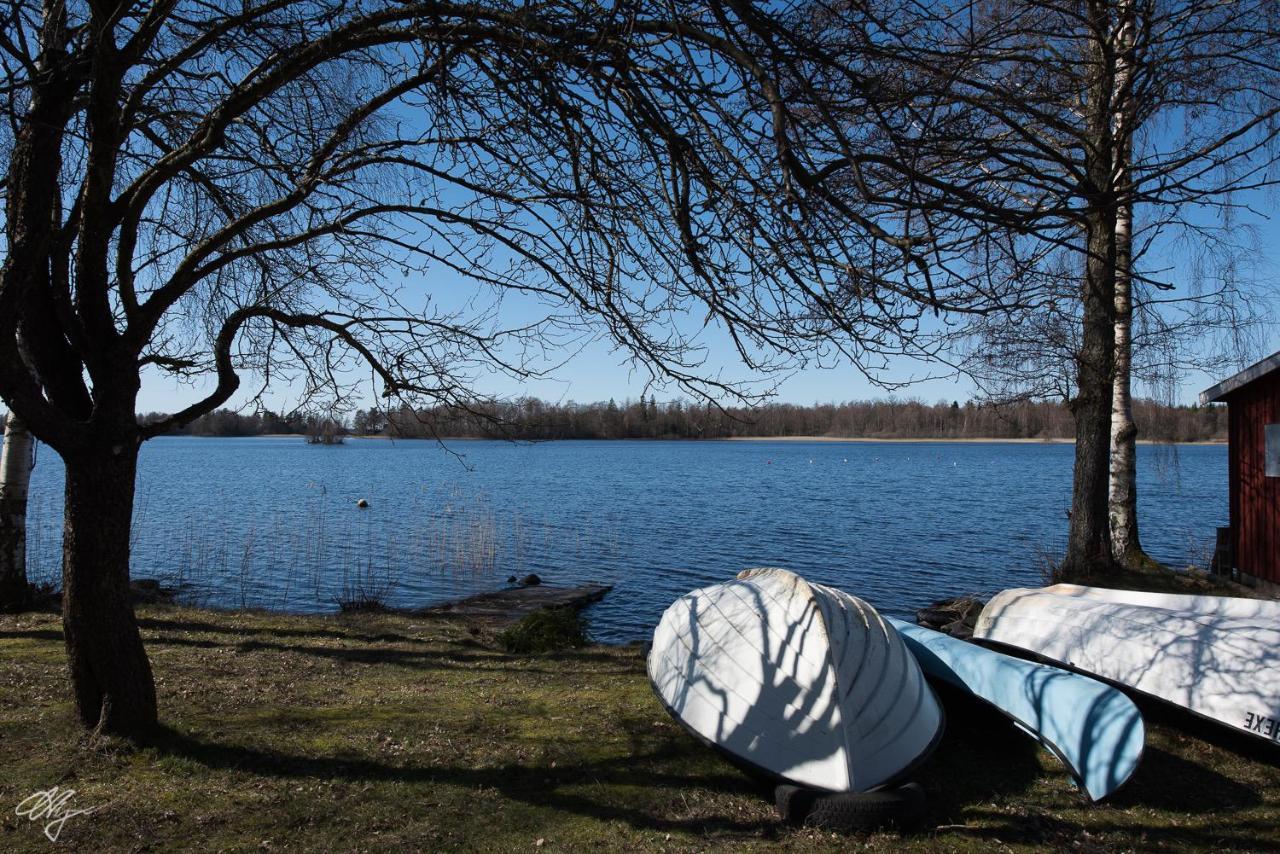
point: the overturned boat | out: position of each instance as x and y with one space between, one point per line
1222 668
1095 730
1235 607
800 682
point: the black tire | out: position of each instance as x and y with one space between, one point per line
845 811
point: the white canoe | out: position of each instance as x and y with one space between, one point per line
800 681
1235 607
1222 668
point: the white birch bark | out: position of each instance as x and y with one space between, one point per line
1122 508
15 477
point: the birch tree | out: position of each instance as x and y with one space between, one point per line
16 460
1031 135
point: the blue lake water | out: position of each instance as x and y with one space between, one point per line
273 522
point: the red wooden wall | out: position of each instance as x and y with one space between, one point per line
1255 498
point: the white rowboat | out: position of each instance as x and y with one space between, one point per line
1222 668
802 682
1235 607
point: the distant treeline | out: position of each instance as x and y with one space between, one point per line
649 419
226 422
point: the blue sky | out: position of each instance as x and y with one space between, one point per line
598 372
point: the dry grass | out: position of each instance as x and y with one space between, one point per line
387 732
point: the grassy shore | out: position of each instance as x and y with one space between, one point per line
386 732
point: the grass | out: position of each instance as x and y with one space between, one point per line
1154 578
390 732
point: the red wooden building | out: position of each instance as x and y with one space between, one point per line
1253 416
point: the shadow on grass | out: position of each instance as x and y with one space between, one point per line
529 785
979 782
414 659
221 628
33 634
1168 782
1250 747
1049 832
982 757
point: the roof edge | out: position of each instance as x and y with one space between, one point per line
1253 372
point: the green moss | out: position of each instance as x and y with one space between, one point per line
385 732
546 630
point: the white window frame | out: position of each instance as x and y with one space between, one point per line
1271 450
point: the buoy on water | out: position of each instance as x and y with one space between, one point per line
362 504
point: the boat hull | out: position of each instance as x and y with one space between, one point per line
803 683
1094 729
1220 668
1232 607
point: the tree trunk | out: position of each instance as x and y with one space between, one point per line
15 475
1126 548
1088 541
110 673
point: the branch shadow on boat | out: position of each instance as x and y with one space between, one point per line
755 718
1218 667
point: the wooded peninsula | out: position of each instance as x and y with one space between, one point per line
647 418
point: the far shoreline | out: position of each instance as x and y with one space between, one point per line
950 440
947 440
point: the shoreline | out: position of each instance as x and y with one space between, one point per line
973 440
948 440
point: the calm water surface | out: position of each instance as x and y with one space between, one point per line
273 522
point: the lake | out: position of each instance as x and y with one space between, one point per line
273 522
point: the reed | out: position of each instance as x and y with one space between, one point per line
322 554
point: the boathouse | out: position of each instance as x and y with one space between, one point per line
1253 418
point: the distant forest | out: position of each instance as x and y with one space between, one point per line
648 419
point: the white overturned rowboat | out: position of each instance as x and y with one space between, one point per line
1220 667
802 682
1235 607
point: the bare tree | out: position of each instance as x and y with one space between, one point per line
1025 136
16 461
293 187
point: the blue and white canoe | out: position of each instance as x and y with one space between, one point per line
1096 731
1221 667
801 682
